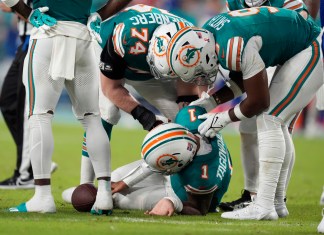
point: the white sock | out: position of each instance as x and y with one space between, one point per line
98 145
250 161
42 201
87 175
41 145
291 165
281 187
272 152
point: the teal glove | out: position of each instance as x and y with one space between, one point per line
94 25
40 20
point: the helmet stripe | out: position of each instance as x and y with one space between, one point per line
144 154
161 138
173 39
162 132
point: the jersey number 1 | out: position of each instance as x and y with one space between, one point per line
204 171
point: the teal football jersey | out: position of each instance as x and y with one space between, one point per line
131 31
284 33
66 10
207 173
296 5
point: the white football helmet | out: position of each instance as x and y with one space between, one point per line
168 148
156 56
192 56
255 3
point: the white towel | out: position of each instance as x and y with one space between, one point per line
63 57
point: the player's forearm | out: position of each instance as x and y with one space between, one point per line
112 7
136 175
19 7
257 98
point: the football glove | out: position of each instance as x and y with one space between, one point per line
213 124
206 101
40 20
94 26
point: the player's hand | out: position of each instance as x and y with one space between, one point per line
206 101
94 26
40 20
214 123
118 186
163 208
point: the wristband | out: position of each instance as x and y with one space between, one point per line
186 98
238 113
144 116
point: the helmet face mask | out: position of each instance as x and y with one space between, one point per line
192 56
168 148
255 3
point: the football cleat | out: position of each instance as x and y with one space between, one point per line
251 212
320 227
44 205
17 183
242 202
67 194
281 210
103 204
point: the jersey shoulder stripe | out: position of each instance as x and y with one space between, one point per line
234 53
293 4
117 39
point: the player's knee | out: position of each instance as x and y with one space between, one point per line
90 120
267 122
36 120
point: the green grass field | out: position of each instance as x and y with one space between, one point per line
303 194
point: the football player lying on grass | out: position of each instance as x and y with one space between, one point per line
180 172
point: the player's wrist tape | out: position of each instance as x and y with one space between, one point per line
137 175
177 203
235 89
144 116
186 98
238 113
10 3
217 99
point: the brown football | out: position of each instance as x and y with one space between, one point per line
83 197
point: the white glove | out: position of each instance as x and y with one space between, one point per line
214 123
206 101
94 26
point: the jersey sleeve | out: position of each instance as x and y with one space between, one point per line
295 5
234 50
111 64
252 62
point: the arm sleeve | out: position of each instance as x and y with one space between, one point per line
177 203
295 5
111 64
252 62
137 175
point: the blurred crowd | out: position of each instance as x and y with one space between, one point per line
310 123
